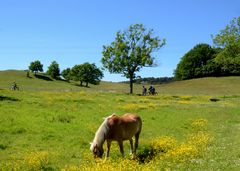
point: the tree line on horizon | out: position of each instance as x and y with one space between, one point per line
152 80
222 59
133 49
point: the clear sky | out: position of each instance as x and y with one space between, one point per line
74 31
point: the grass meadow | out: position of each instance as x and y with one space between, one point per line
48 125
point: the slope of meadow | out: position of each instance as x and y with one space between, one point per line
48 125
202 86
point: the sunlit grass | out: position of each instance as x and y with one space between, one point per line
167 152
51 130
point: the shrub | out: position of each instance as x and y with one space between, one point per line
201 140
183 153
145 154
163 144
37 160
3 146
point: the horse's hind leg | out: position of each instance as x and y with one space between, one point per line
120 143
136 145
136 140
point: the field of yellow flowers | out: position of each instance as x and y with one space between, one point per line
48 130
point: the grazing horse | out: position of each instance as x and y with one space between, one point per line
117 128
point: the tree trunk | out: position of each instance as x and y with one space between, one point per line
86 84
131 85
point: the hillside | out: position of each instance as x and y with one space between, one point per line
202 86
48 125
33 83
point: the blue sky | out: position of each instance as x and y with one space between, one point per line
74 31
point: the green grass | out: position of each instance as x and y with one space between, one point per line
213 86
48 125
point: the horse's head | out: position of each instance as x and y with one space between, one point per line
97 150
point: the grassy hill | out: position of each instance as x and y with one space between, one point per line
202 86
48 125
33 83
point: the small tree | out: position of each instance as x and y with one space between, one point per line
36 66
87 73
66 73
131 50
53 70
76 73
91 74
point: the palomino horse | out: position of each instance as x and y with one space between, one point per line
115 128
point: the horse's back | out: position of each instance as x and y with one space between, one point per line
124 127
130 116
132 120
126 119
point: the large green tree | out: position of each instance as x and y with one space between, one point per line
36 66
228 59
131 50
194 63
53 70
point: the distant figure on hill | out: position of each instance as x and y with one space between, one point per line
151 90
14 86
144 91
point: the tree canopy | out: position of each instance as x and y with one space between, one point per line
131 50
66 73
221 60
36 66
87 73
53 70
193 63
228 36
228 60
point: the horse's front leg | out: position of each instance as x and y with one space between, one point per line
131 144
120 143
108 148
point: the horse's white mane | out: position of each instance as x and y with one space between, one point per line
101 133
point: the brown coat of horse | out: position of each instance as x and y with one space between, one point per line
117 128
